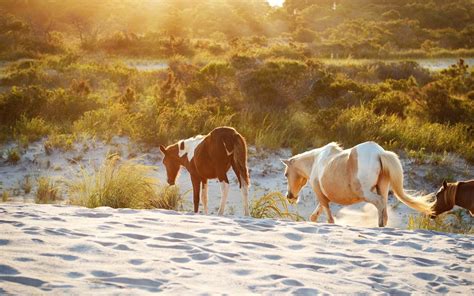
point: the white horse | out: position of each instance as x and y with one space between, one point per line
362 173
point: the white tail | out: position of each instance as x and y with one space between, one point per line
392 168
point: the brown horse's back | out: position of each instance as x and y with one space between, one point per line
222 148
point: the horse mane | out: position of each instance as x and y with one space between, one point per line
450 194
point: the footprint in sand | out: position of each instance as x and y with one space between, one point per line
136 261
101 273
4 242
135 236
23 280
122 247
75 275
5 269
62 256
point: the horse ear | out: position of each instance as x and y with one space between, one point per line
285 161
445 184
163 149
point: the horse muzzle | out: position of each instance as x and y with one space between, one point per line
291 198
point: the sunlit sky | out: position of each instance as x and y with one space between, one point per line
276 2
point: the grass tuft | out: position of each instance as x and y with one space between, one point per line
122 184
47 192
272 205
453 222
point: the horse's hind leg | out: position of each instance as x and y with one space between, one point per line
224 193
329 214
383 186
379 202
244 189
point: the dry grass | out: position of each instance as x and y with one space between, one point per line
273 205
122 184
47 192
453 222
5 196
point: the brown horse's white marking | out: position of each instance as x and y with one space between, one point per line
210 157
362 173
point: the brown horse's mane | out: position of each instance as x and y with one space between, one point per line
449 194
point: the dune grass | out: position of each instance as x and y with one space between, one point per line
47 192
121 183
273 205
450 222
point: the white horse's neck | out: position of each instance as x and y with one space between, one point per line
305 161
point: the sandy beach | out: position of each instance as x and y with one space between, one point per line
70 250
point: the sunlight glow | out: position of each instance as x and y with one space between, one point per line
276 2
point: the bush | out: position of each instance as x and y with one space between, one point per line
13 156
30 130
63 142
47 191
272 205
391 103
122 184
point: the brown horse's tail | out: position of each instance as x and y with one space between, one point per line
240 158
392 168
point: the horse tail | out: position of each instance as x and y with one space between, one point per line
392 167
240 159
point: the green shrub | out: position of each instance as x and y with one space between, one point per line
391 103
47 191
272 205
63 142
30 130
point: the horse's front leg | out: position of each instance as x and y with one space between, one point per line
196 191
204 196
315 215
323 204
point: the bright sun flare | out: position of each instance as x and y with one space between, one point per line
276 2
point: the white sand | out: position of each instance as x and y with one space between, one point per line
70 250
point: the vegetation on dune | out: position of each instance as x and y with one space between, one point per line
450 222
122 184
47 191
273 205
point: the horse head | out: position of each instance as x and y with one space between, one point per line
295 179
172 162
445 199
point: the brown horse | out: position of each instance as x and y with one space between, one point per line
210 157
450 194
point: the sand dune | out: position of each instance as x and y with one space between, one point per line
64 249
266 172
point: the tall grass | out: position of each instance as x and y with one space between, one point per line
47 192
122 184
451 222
273 205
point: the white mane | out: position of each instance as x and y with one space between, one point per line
189 146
